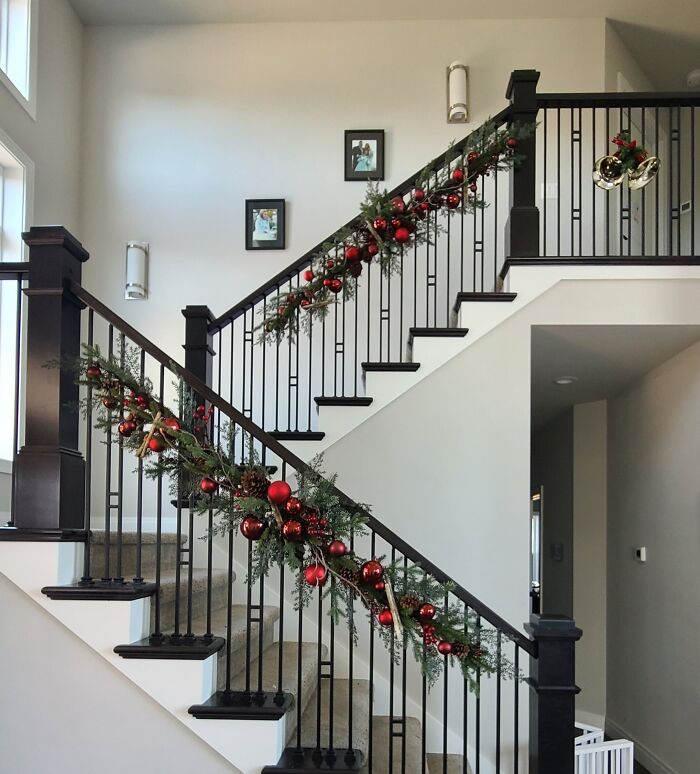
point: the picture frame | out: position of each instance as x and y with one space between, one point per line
364 154
265 224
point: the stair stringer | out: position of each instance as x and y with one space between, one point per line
248 745
529 282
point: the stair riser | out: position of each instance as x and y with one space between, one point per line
238 655
128 560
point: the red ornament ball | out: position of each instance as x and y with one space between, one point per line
281 310
330 263
304 303
200 411
293 530
511 142
93 372
279 492
453 200
379 586
308 275
337 548
458 175
110 403
293 506
402 234
336 285
424 207
372 249
327 282
172 424
472 156
352 253
252 528
426 612
156 444
380 223
371 571
444 647
398 204
395 222
419 194
208 485
385 617
315 574
127 427
355 269
473 187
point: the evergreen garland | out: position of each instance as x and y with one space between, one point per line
402 600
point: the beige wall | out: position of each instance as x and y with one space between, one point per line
653 626
53 140
590 554
182 124
618 59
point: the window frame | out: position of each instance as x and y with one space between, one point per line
28 101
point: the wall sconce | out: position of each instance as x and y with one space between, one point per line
136 271
457 93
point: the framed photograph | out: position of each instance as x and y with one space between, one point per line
264 224
364 154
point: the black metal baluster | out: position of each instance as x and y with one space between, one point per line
445 701
356 345
261 633
120 472
351 654
331 676
607 198
593 187
229 613
277 378
670 182
545 154
249 616
190 562
465 705
404 653
392 648
692 181
311 349
319 665
157 636
401 336
300 640
86 580
106 577
498 700
558 181
138 578
279 698
580 182
571 177
677 210
516 703
478 700
496 229
370 703
656 197
296 368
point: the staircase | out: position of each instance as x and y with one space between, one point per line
269 684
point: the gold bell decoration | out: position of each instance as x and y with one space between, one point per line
630 159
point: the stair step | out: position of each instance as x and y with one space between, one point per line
390 367
219 599
444 333
341 698
297 435
448 764
381 729
355 401
239 637
464 297
168 553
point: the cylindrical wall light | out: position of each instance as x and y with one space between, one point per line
457 93
136 271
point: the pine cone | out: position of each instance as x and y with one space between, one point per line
460 649
409 602
254 484
348 574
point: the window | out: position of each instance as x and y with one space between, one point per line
16 47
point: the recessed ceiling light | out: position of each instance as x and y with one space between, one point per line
565 379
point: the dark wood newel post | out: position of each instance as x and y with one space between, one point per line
199 353
49 471
523 234
553 694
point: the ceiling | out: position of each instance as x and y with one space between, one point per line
663 36
605 358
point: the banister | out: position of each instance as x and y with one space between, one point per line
17 270
301 263
619 99
208 395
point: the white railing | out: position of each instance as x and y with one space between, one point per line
615 757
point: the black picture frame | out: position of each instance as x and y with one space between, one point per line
374 139
271 211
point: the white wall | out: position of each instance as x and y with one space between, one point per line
182 124
619 59
590 556
53 140
84 711
653 622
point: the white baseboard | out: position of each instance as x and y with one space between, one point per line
641 753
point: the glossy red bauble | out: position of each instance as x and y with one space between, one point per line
281 310
395 222
327 282
512 142
453 200
110 403
424 207
208 485
458 175
472 156
372 249
336 285
315 575
252 527
291 298
337 548
352 253
330 263
379 586
385 617
380 223
371 571
200 411
355 269
444 647
308 275
473 187
127 427
172 424
293 530
419 194
293 506
156 444
398 204
279 492
305 302
402 234
426 612
93 372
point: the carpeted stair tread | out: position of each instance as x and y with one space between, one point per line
455 764
219 598
97 537
381 727
169 551
341 697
